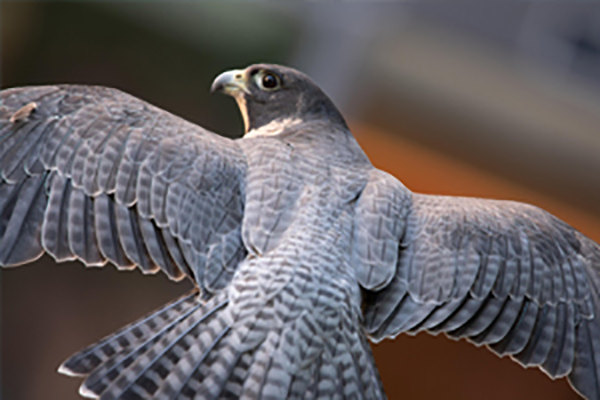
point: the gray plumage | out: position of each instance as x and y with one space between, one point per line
300 249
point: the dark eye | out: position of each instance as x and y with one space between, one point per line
269 81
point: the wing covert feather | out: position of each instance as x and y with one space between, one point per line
498 273
95 174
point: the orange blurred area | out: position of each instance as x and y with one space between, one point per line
425 170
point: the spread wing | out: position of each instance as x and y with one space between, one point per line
503 274
94 174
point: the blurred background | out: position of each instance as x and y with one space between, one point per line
491 100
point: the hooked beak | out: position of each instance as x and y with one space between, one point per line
230 82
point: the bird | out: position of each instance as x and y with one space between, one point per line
301 252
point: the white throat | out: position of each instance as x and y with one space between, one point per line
273 128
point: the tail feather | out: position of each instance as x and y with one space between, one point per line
224 371
129 337
266 380
141 373
235 359
190 368
301 345
342 366
191 349
239 373
208 380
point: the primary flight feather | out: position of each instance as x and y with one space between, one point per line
299 248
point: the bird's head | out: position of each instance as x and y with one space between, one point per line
272 97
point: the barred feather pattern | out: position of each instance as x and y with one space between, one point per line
108 178
502 274
237 346
119 184
93 174
288 326
300 250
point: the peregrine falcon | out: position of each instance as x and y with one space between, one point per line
299 249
